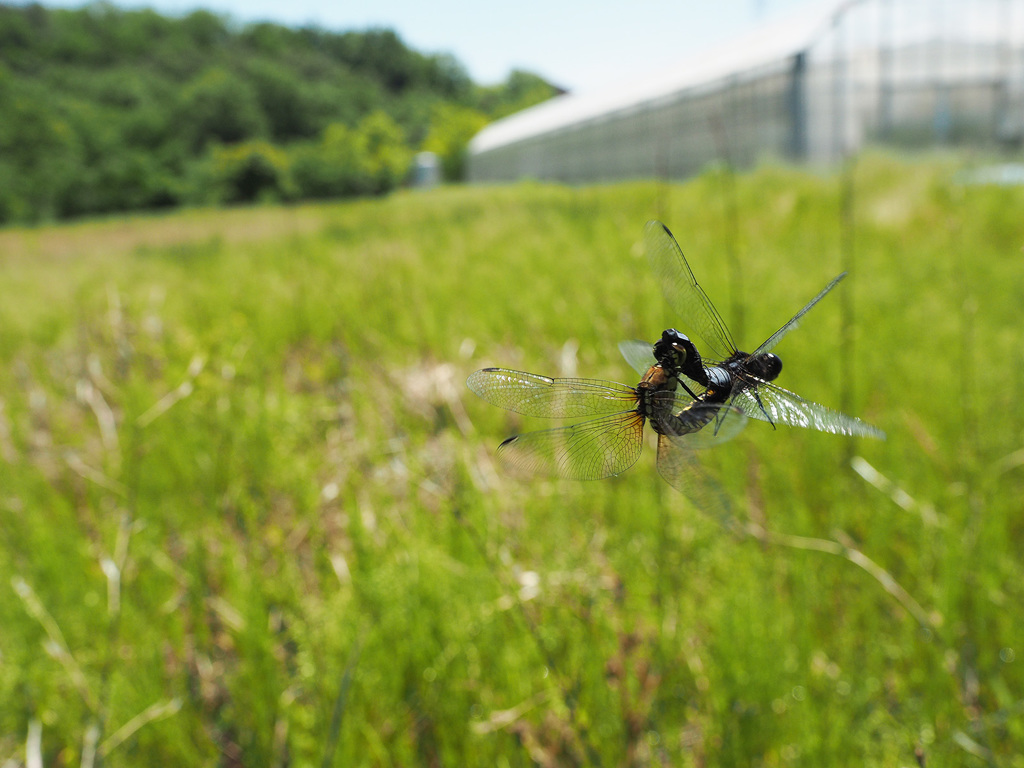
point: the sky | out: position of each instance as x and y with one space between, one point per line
579 45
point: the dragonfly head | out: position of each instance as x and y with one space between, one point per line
677 354
771 367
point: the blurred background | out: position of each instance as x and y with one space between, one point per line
111 110
251 515
814 87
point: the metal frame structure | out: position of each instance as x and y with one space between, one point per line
813 89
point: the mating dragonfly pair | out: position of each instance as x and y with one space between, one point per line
691 402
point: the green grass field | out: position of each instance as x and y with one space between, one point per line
250 514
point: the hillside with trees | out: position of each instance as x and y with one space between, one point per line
105 110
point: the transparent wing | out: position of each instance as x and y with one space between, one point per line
781 406
700 425
700 318
682 470
638 354
794 321
587 451
533 395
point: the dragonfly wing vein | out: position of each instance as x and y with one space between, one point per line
683 292
590 450
683 471
638 354
794 321
702 425
534 395
785 407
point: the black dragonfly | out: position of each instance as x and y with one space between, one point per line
740 379
611 443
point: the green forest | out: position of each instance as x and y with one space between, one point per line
108 110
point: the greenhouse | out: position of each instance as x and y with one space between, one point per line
814 88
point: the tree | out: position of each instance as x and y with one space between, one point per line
386 156
106 109
39 151
451 129
519 91
220 107
248 172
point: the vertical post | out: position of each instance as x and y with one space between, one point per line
796 106
1004 75
886 57
839 89
847 259
662 162
730 208
842 152
942 119
732 227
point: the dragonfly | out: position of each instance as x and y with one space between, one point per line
610 442
727 376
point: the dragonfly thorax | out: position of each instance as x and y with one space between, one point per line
650 392
719 385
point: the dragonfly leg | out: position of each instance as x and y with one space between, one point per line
761 406
688 390
719 419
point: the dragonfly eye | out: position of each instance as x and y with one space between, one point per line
674 348
677 354
663 348
772 366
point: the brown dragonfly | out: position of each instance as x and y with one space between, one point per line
611 442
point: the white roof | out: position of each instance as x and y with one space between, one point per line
768 44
